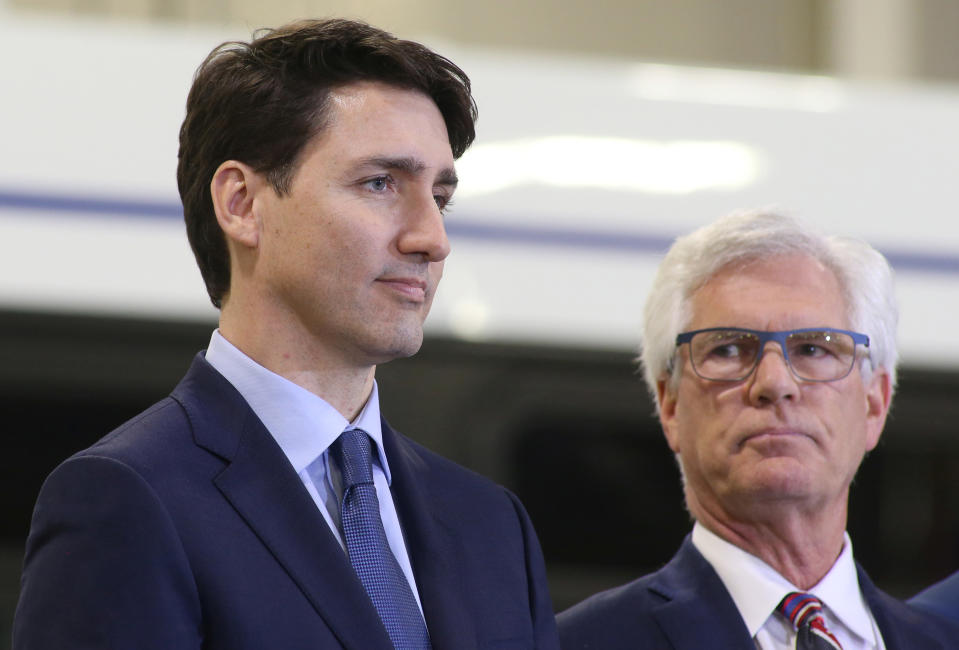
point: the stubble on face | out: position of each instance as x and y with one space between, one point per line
353 254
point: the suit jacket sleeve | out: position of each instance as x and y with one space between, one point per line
104 567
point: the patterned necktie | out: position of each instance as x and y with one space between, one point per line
368 549
804 611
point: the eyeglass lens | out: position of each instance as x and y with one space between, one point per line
732 354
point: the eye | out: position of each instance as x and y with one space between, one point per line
818 345
810 350
379 183
443 202
725 351
728 345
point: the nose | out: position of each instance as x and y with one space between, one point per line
772 380
424 231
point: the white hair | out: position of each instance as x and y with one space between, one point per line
864 275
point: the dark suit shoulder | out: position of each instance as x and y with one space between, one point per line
613 619
682 605
101 534
473 506
616 600
159 445
441 467
151 428
941 598
904 626
156 454
190 433
459 484
470 538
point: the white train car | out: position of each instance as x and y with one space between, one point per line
582 173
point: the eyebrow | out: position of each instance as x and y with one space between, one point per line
412 166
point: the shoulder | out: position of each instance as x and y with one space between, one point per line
477 508
203 416
156 453
613 605
486 518
127 476
156 445
675 605
615 618
905 626
101 532
941 598
466 521
145 435
687 576
447 481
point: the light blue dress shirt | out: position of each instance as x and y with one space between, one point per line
304 426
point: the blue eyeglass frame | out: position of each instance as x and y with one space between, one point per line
779 337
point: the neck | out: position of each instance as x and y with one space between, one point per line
801 544
298 357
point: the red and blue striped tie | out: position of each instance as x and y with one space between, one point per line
804 611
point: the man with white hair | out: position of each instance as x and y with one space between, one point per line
771 353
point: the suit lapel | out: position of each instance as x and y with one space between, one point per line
698 612
432 546
261 485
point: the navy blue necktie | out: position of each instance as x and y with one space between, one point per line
368 549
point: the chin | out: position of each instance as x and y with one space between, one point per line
401 347
407 351
781 485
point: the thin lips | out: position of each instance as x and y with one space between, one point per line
413 282
775 432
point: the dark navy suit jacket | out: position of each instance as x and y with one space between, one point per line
685 606
941 598
187 528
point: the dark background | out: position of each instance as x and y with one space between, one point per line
572 432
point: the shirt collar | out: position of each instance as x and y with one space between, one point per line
757 589
303 424
839 590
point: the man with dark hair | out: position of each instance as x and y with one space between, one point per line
265 503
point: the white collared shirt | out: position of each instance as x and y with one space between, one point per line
757 589
304 426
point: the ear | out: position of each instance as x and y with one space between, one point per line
234 187
878 398
667 412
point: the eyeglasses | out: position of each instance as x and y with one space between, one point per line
732 353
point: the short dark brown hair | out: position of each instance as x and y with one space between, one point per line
261 102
